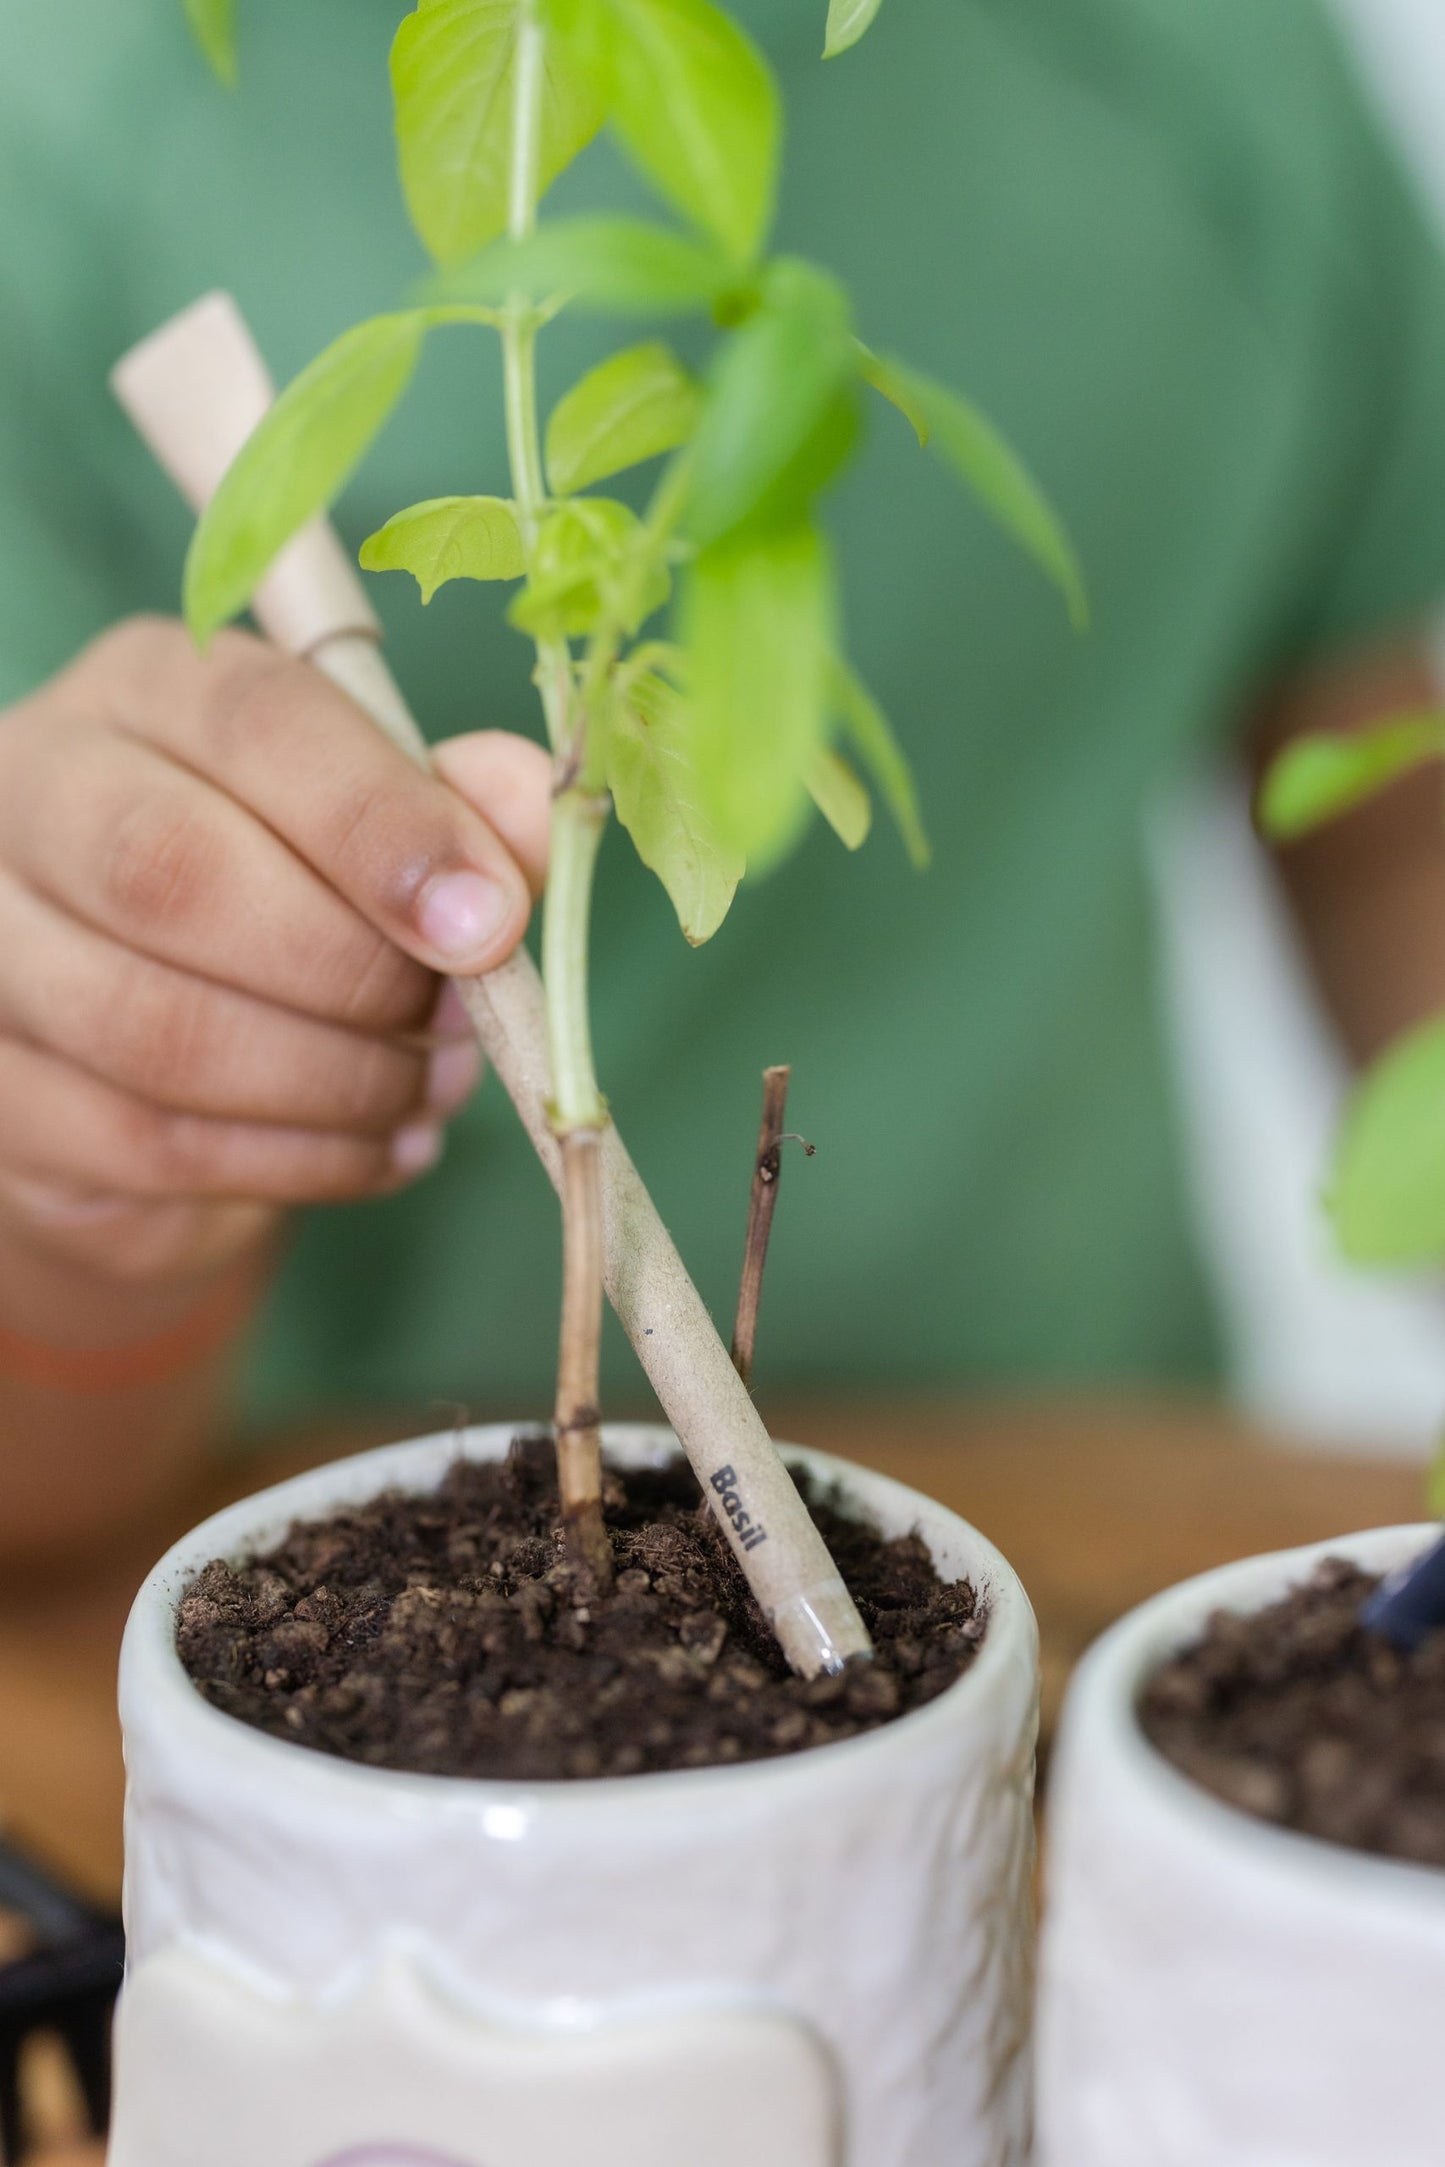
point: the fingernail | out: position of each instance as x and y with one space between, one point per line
462 913
452 1074
414 1149
449 1017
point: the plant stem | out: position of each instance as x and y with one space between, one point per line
579 1116
577 1419
578 820
762 1202
579 814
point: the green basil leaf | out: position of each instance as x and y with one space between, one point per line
630 408
757 623
847 22
872 738
972 446
296 461
453 71
214 23
1322 775
876 372
694 104
655 790
780 415
620 264
839 796
1388 1191
585 551
448 538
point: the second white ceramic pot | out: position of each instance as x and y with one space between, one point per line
1214 1991
818 1961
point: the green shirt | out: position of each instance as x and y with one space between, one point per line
1162 243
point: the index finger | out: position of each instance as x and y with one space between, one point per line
409 854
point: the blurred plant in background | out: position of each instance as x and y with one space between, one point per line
1386 1193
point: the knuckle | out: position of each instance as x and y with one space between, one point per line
157 866
133 647
131 639
252 692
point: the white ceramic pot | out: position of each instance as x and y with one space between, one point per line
1214 1991
819 1961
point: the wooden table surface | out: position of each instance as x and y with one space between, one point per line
1096 1503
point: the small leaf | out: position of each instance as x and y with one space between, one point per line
620 264
584 550
655 790
448 538
694 104
630 408
847 22
214 23
876 746
780 416
453 73
757 622
875 371
295 462
1388 1192
839 796
1320 776
998 478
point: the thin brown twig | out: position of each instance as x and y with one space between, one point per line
762 1203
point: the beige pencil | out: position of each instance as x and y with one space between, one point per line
195 389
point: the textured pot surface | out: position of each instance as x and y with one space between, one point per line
820 1961
1216 1992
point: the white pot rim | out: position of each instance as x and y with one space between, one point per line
153 1677
1102 1719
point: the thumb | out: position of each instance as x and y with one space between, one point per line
508 780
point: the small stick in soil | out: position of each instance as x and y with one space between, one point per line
763 1202
579 1436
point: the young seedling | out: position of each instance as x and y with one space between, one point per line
712 742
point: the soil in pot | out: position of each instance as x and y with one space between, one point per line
1300 1716
447 1634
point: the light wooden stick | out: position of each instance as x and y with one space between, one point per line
195 389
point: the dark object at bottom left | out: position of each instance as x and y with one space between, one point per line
64 1981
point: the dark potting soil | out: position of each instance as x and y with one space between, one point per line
1298 1715
447 1634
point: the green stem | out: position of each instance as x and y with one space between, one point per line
579 813
519 356
577 824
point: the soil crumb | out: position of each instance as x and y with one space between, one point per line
447 1634
1299 1715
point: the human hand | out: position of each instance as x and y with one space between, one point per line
224 904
